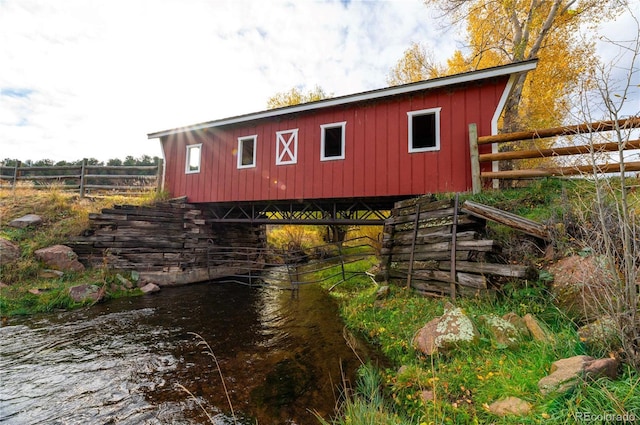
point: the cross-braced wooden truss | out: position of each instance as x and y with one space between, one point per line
369 211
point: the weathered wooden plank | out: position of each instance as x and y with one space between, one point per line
441 221
527 226
464 279
403 238
428 201
423 216
437 255
431 288
480 245
138 244
507 270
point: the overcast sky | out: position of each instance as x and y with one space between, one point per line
90 78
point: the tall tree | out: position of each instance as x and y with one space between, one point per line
417 64
506 31
295 97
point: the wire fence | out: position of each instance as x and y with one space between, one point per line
290 268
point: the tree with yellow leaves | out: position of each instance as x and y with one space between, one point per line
295 97
417 63
507 31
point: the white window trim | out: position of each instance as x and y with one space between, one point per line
342 124
410 116
284 145
254 137
187 168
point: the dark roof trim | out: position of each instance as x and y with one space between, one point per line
514 68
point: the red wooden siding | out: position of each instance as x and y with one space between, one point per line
377 162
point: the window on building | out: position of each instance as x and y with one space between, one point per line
286 147
192 164
247 151
424 130
332 141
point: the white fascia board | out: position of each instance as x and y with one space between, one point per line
450 80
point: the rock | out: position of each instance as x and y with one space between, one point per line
34 291
503 332
124 282
446 332
601 335
601 368
428 396
538 332
150 288
580 286
9 252
510 406
383 292
82 293
564 374
60 257
26 221
50 274
518 322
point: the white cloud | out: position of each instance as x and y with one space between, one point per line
90 78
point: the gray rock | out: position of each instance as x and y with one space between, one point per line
59 257
9 252
124 282
383 292
603 334
150 288
518 322
50 274
504 333
82 293
26 221
443 333
510 406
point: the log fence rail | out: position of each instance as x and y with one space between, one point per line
84 178
597 127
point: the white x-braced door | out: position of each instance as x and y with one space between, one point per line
287 147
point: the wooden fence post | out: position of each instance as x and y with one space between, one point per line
476 182
16 174
454 232
416 223
83 171
159 173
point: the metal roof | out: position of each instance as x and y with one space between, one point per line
450 80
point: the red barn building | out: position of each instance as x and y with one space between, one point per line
394 142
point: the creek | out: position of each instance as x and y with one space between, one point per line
282 355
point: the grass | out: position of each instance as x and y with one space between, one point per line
64 215
466 381
462 384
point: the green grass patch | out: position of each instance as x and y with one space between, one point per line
64 215
464 382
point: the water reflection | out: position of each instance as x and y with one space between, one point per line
119 362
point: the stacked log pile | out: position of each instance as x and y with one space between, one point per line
425 243
168 243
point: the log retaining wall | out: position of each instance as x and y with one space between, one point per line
168 243
427 241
